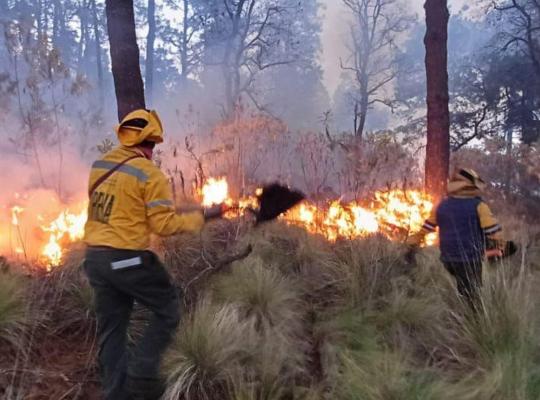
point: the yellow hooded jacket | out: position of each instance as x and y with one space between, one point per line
132 203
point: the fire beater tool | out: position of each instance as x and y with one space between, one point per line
274 200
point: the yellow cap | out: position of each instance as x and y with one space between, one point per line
138 126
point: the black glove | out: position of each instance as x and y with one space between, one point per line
214 212
410 256
510 249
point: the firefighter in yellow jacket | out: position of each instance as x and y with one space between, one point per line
130 198
467 228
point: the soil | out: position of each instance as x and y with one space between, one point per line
58 368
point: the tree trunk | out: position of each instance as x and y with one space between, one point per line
99 63
508 170
231 63
56 24
82 51
438 116
362 111
184 56
150 39
128 83
39 18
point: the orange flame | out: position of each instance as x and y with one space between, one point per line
67 227
215 191
394 213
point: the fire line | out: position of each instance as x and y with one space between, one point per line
394 213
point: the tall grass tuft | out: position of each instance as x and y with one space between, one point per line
498 345
260 292
13 310
387 375
68 292
272 302
307 319
208 352
367 269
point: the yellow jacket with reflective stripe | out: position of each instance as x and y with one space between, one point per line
132 203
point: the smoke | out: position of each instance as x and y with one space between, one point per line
336 26
333 36
45 179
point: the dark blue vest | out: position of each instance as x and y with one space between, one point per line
461 236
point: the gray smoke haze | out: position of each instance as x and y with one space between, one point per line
335 28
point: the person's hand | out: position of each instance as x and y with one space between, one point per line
494 254
214 212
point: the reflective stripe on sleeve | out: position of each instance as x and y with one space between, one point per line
156 203
126 169
429 227
492 229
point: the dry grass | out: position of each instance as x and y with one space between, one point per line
14 318
262 293
208 352
357 323
302 318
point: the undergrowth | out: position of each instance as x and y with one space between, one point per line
303 318
351 320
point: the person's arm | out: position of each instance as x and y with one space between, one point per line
429 226
162 217
490 226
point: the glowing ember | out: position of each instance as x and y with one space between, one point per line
215 191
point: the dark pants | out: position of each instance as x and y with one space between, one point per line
468 277
120 277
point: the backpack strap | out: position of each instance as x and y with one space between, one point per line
106 176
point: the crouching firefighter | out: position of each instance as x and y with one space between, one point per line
466 228
129 199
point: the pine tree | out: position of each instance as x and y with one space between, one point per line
438 116
126 70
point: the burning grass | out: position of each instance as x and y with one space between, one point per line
37 236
